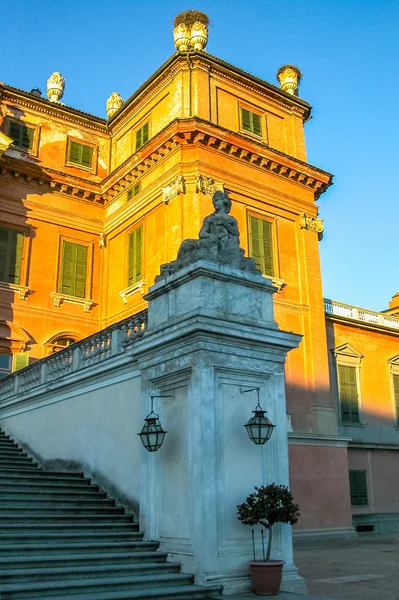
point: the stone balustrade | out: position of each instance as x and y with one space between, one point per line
355 313
97 348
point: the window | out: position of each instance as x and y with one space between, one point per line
395 379
20 360
133 191
11 246
5 365
73 269
135 261
79 154
261 244
251 122
348 394
358 488
142 136
21 135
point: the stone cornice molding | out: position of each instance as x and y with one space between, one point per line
54 109
362 324
182 132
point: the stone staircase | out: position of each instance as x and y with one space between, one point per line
61 538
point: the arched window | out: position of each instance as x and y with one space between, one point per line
61 341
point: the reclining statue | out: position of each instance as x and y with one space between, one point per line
219 242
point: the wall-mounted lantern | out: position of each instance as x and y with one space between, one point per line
152 434
259 427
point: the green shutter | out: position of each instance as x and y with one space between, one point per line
245 119
358 488
20 361
142 136
396 394
87 153
80 154
21 134
11 247
257 124
129 194
135 258
73 269
348 394
136 189
261 244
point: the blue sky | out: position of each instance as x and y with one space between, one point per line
346 49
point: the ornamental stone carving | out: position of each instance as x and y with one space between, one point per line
311 224
208 186
289 77
191 31
176 187
114 103
219 242
55 87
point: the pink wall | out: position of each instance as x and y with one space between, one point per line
320 485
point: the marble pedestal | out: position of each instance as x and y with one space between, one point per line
211 334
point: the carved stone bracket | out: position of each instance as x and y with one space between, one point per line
207 185
21 290
176 187
312 224
59 298
140 286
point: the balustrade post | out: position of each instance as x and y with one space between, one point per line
76 359
16 383
116 341
381 320
43 372
355 313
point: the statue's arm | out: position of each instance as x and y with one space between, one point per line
232 226
204 231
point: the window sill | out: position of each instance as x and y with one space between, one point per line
132 289
78 166
59 298
279 283
255 136
348 424
21 290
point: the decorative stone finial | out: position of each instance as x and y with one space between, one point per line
114 103
191 31
219 242
289 77
55 87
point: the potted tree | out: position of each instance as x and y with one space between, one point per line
266 506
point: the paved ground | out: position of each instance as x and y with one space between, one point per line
367 569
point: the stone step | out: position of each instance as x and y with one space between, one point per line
45 560
34 537
82 486
15 493
16 461
65 573
48 511
69 527
102 584
9 466
42 476
183 592
8 443
76 547
4 452
62 518
55 502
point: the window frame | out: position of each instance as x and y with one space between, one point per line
34 150
252 111
57 294
93 146
130 232
3 371
393 365
351 488
347 356
23 264
143 123
274 242
132 189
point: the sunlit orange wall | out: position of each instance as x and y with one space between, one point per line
377 348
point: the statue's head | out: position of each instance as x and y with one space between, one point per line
219 196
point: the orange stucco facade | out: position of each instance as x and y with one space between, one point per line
192 108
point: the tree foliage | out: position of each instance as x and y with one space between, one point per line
269 504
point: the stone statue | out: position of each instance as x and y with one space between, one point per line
219 242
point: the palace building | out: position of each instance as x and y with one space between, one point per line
91 207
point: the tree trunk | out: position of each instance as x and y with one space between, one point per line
269 543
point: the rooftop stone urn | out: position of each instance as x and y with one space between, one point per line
289 77
55 87
114 103
191 31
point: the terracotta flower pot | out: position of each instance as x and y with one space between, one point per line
266 576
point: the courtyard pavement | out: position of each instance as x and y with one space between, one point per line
366 569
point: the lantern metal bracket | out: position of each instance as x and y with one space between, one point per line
255 389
